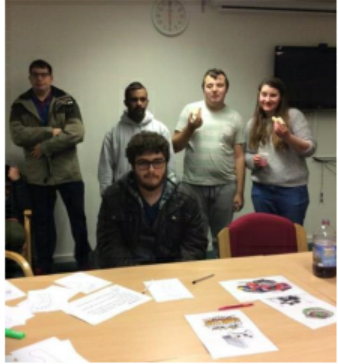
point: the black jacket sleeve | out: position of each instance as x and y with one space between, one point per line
112 248
194 243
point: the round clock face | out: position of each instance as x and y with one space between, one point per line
170 17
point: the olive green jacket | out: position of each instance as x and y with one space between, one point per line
59 162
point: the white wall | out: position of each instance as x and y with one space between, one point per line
98 47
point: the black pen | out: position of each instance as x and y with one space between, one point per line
202 279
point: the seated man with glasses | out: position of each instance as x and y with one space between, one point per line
146 218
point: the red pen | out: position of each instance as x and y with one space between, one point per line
240 305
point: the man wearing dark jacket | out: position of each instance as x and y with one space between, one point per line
145 218
46 122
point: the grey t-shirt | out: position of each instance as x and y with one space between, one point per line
209 156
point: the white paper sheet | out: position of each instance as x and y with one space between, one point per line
50 299
12 292
51 350
16 316
304 308
83 282
65 292
107 303
249 289
167 290
226 334
72 355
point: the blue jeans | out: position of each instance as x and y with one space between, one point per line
43 203
289 202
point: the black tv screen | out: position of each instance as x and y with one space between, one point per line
309 74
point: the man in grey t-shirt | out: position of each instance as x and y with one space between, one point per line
212 135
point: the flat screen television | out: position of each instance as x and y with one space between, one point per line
309 74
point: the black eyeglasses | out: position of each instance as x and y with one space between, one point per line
143 164
40 74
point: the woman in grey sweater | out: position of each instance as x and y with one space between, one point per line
278 141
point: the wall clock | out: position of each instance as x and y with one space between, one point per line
170 17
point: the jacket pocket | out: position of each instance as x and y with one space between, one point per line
126 222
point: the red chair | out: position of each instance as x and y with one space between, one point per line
261 234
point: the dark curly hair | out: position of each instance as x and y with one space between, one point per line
147 142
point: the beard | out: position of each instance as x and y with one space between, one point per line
150 186
137 115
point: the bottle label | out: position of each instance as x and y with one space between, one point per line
324 255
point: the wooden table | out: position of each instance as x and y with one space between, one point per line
300 265
159 332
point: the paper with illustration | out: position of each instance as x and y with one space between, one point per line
226 334
16 316
249 289
52 298
304 308
51 350
12 292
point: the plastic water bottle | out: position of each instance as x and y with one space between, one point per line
324 251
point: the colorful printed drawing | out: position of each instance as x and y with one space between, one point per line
264 285
223 322
317 312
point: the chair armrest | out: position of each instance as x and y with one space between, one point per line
224 246
301 238
28 239
21 261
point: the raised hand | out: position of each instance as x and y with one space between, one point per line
195 119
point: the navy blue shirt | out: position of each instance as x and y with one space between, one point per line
43 107
151 212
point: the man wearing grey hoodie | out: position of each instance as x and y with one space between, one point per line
113 162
